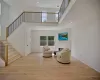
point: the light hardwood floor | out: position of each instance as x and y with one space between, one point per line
35 67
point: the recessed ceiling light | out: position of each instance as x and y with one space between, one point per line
37 2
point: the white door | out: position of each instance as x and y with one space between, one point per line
35 41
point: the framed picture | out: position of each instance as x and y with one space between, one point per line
63 36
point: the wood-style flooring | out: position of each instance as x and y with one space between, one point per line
35 67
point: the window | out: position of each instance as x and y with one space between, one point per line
47 40
43 40
50 40
44 17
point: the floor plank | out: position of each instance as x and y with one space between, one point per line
35 67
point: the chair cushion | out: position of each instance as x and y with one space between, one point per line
64 50
46 48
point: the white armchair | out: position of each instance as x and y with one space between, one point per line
47 52
64 56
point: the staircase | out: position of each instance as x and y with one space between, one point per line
13 55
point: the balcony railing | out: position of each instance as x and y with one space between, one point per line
63 7
40 17
32 17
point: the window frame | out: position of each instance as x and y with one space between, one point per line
48 41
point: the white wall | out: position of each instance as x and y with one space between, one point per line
4 19
49 29
20 38
17 39
58 44
35 26
85 17
14 13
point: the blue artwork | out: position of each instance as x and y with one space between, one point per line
63 36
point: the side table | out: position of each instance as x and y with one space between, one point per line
55 52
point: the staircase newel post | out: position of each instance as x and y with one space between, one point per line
6 55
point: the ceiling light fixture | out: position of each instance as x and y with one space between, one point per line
37 2
71 22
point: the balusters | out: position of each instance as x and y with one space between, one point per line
33 17
63 7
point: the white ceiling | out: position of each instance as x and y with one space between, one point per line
34 3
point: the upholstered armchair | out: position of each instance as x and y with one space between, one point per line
47 52
64 56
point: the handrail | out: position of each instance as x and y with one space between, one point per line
4 52
29 17
16 19
6 55
40 12
7 32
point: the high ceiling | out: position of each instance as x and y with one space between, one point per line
35 3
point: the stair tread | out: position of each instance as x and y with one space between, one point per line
13 59
13 55
12 52
10 46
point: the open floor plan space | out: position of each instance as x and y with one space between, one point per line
49 39
35 67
